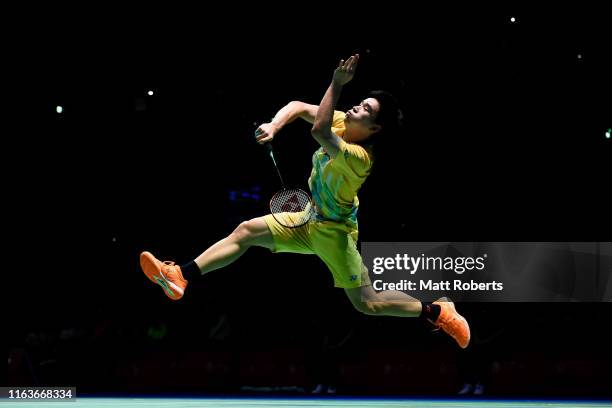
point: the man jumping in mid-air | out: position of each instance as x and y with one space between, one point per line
340 166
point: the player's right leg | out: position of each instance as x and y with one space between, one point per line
254 232
169 276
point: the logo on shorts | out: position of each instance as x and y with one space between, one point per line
353 277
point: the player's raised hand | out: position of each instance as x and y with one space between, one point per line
346 70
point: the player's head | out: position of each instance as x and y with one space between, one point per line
374 116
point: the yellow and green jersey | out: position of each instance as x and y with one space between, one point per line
334 182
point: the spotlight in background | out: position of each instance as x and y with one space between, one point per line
59 109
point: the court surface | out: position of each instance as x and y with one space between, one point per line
286 403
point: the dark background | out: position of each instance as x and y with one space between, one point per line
504 141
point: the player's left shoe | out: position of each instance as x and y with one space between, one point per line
452 322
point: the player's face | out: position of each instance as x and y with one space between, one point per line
364 113
364 116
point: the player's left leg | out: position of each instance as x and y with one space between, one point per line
386 303
441 313
337 247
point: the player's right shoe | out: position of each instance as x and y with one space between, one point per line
166 274
452 322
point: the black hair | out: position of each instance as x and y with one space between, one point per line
389 117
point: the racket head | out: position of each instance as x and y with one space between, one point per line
291 207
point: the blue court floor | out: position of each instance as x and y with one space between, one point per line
286 403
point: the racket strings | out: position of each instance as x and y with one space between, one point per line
292 201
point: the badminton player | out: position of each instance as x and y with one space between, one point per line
340 166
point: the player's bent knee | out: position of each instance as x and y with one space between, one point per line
248 232
243 233
369 308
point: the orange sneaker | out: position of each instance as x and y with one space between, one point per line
452 322
166 274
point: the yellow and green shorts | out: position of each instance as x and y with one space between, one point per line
334 243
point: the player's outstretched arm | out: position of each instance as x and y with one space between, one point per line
321 129
295 109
